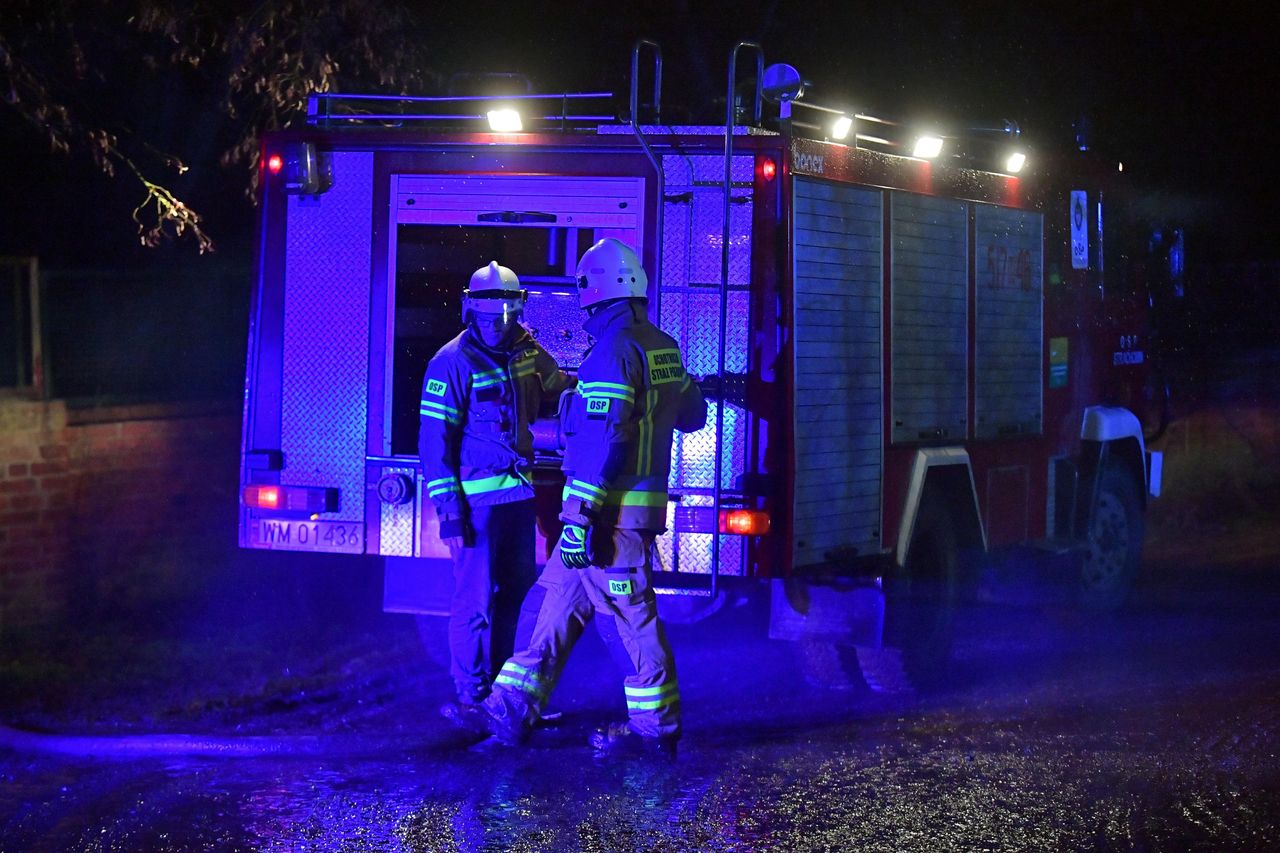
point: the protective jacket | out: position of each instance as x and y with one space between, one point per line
632 393
474 439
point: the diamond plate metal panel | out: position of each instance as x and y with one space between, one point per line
554 318
709 168
326 335
677 171
676 220
692 317
693 456
691 552
398 521
706 237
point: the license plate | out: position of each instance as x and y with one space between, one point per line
342 536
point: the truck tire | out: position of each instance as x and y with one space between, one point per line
1116 529
920 608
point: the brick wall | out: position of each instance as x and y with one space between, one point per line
102 506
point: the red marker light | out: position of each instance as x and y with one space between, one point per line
275 163
744 522
262 497
768 168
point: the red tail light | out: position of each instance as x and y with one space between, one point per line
291 500
744 522
275 163
262 497
768 168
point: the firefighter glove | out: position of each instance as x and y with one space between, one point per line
573 546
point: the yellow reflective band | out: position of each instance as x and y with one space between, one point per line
491 484
516 668
587 487
442 481
612 390
570 492
440 416
644 455
439 407
522 686
669 687
653 705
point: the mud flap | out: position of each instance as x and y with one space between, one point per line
844 612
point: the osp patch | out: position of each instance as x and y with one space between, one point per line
598 407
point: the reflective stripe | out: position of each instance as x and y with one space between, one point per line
491 484
587 487
644 454
443 481
439 411
524 680
611 390
486 378
661 697
570 492
440 416
442 490
658 690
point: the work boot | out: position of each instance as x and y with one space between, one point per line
449 710
506 719
468 717
619 740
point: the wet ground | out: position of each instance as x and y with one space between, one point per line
1156 728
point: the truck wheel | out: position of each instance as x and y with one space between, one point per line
920 608
1116 530
433 632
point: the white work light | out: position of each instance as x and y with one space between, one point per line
504 121
927 147
841 128
1015 162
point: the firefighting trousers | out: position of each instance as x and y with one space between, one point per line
490 581
571 598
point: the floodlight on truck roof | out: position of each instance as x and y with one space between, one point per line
505 120
1016 160
927 146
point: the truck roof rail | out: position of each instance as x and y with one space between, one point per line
331 109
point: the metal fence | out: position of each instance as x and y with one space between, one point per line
119 337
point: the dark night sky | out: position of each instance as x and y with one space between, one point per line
1185 98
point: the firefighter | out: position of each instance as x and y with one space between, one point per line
480 393
632 393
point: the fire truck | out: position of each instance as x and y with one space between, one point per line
922 352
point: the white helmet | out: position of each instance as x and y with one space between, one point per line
610 270
494 289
